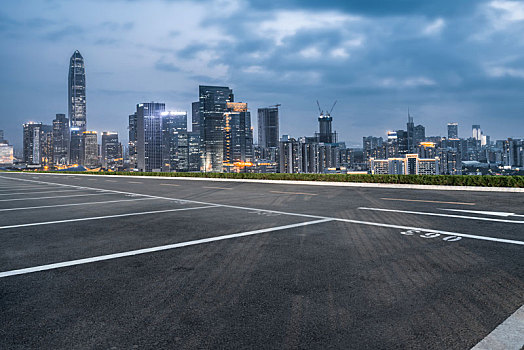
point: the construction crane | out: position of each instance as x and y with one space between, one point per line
331 110
320 109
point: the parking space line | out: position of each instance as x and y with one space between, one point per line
508 335
303 193
425 201
76 204
4 189
50 197
217 188
135 182
169 185
53 191
483 238
155 249
103 217
443 215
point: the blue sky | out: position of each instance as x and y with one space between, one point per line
446 60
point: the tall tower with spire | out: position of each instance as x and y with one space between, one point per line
410 132
77 106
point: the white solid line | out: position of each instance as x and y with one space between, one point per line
54 191
217 188
444 215
492 213
303 193
154 249
169 185
425 201
75 204
50 197
483 238
508 335
135 182
102 217
4 189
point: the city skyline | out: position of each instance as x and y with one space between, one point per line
372 94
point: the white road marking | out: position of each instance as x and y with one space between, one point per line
492 213
50 197
169 185
508 335
135 182
4 189
425 201
110 180
102 217
54 191
444 215
76 204
483 238
303 193
155 249
217 188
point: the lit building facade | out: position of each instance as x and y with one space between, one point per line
32 150
61 140
238 135
268 127
212 107
77 107
111 150
90 147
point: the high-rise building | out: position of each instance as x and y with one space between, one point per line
90 147
326 133
195 117
47 144
238 135
2 136
476 132
453 131
410 134
149 136
175 141
111 150
77 106
419 135
268 127
60 140
6 154
212 106
132 152
32 150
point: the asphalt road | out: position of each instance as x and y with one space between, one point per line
91 262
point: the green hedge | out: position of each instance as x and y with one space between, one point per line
448 180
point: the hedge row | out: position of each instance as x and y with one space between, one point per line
449 180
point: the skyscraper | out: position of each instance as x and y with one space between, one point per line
46 144
77 106
149 135
32 150
212 106
60 140
268 127
410 134
238 135
175 141
453 131
325 133
90 147
133 128
476 132
111 150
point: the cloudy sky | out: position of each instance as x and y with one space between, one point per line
446 60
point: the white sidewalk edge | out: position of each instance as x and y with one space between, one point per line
308 183
508 335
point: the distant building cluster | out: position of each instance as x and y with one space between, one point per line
221 140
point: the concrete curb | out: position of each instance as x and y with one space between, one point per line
316 183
